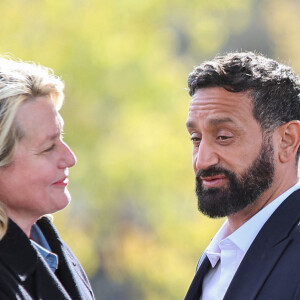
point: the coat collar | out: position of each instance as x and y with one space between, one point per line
265 250
69 270
16 252
22 259
195 289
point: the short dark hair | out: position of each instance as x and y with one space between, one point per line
274 87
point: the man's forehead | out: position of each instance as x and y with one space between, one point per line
212 94
217 105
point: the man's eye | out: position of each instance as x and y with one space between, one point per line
196 140
223 137
50 148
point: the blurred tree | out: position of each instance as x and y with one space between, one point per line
283 22
133 221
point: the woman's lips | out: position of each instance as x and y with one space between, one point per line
213 181
62 182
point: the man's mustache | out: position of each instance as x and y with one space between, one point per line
213 171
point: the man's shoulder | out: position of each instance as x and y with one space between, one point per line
284 220
289 209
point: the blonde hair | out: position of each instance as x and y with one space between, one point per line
3 221
20 82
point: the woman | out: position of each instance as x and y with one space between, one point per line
34 161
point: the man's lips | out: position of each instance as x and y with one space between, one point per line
213 181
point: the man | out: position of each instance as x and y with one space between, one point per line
243 122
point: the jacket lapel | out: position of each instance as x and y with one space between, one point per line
195 289
67 270
47 284
265 251
254 270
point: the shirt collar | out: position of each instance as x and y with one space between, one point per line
38 240
245 235
50 257
213 251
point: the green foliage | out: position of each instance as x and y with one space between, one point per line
125 65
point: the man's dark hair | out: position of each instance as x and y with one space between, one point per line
274 87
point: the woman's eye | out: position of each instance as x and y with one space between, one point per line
50 148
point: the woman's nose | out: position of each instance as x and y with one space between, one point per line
68 158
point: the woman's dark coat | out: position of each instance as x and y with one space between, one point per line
24 274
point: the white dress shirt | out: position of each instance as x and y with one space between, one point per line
226 251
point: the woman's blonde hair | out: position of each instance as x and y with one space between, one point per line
20 82
3 221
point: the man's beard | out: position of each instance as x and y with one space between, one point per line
241 191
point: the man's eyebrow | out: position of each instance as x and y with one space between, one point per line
220 121
192 124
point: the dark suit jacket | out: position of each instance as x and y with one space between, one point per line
270 269
25 275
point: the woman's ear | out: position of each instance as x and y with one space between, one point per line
290 139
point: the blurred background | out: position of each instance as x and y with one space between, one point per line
133 220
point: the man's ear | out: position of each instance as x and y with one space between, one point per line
290 139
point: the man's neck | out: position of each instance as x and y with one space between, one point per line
238 219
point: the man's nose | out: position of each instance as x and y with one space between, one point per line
205 157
